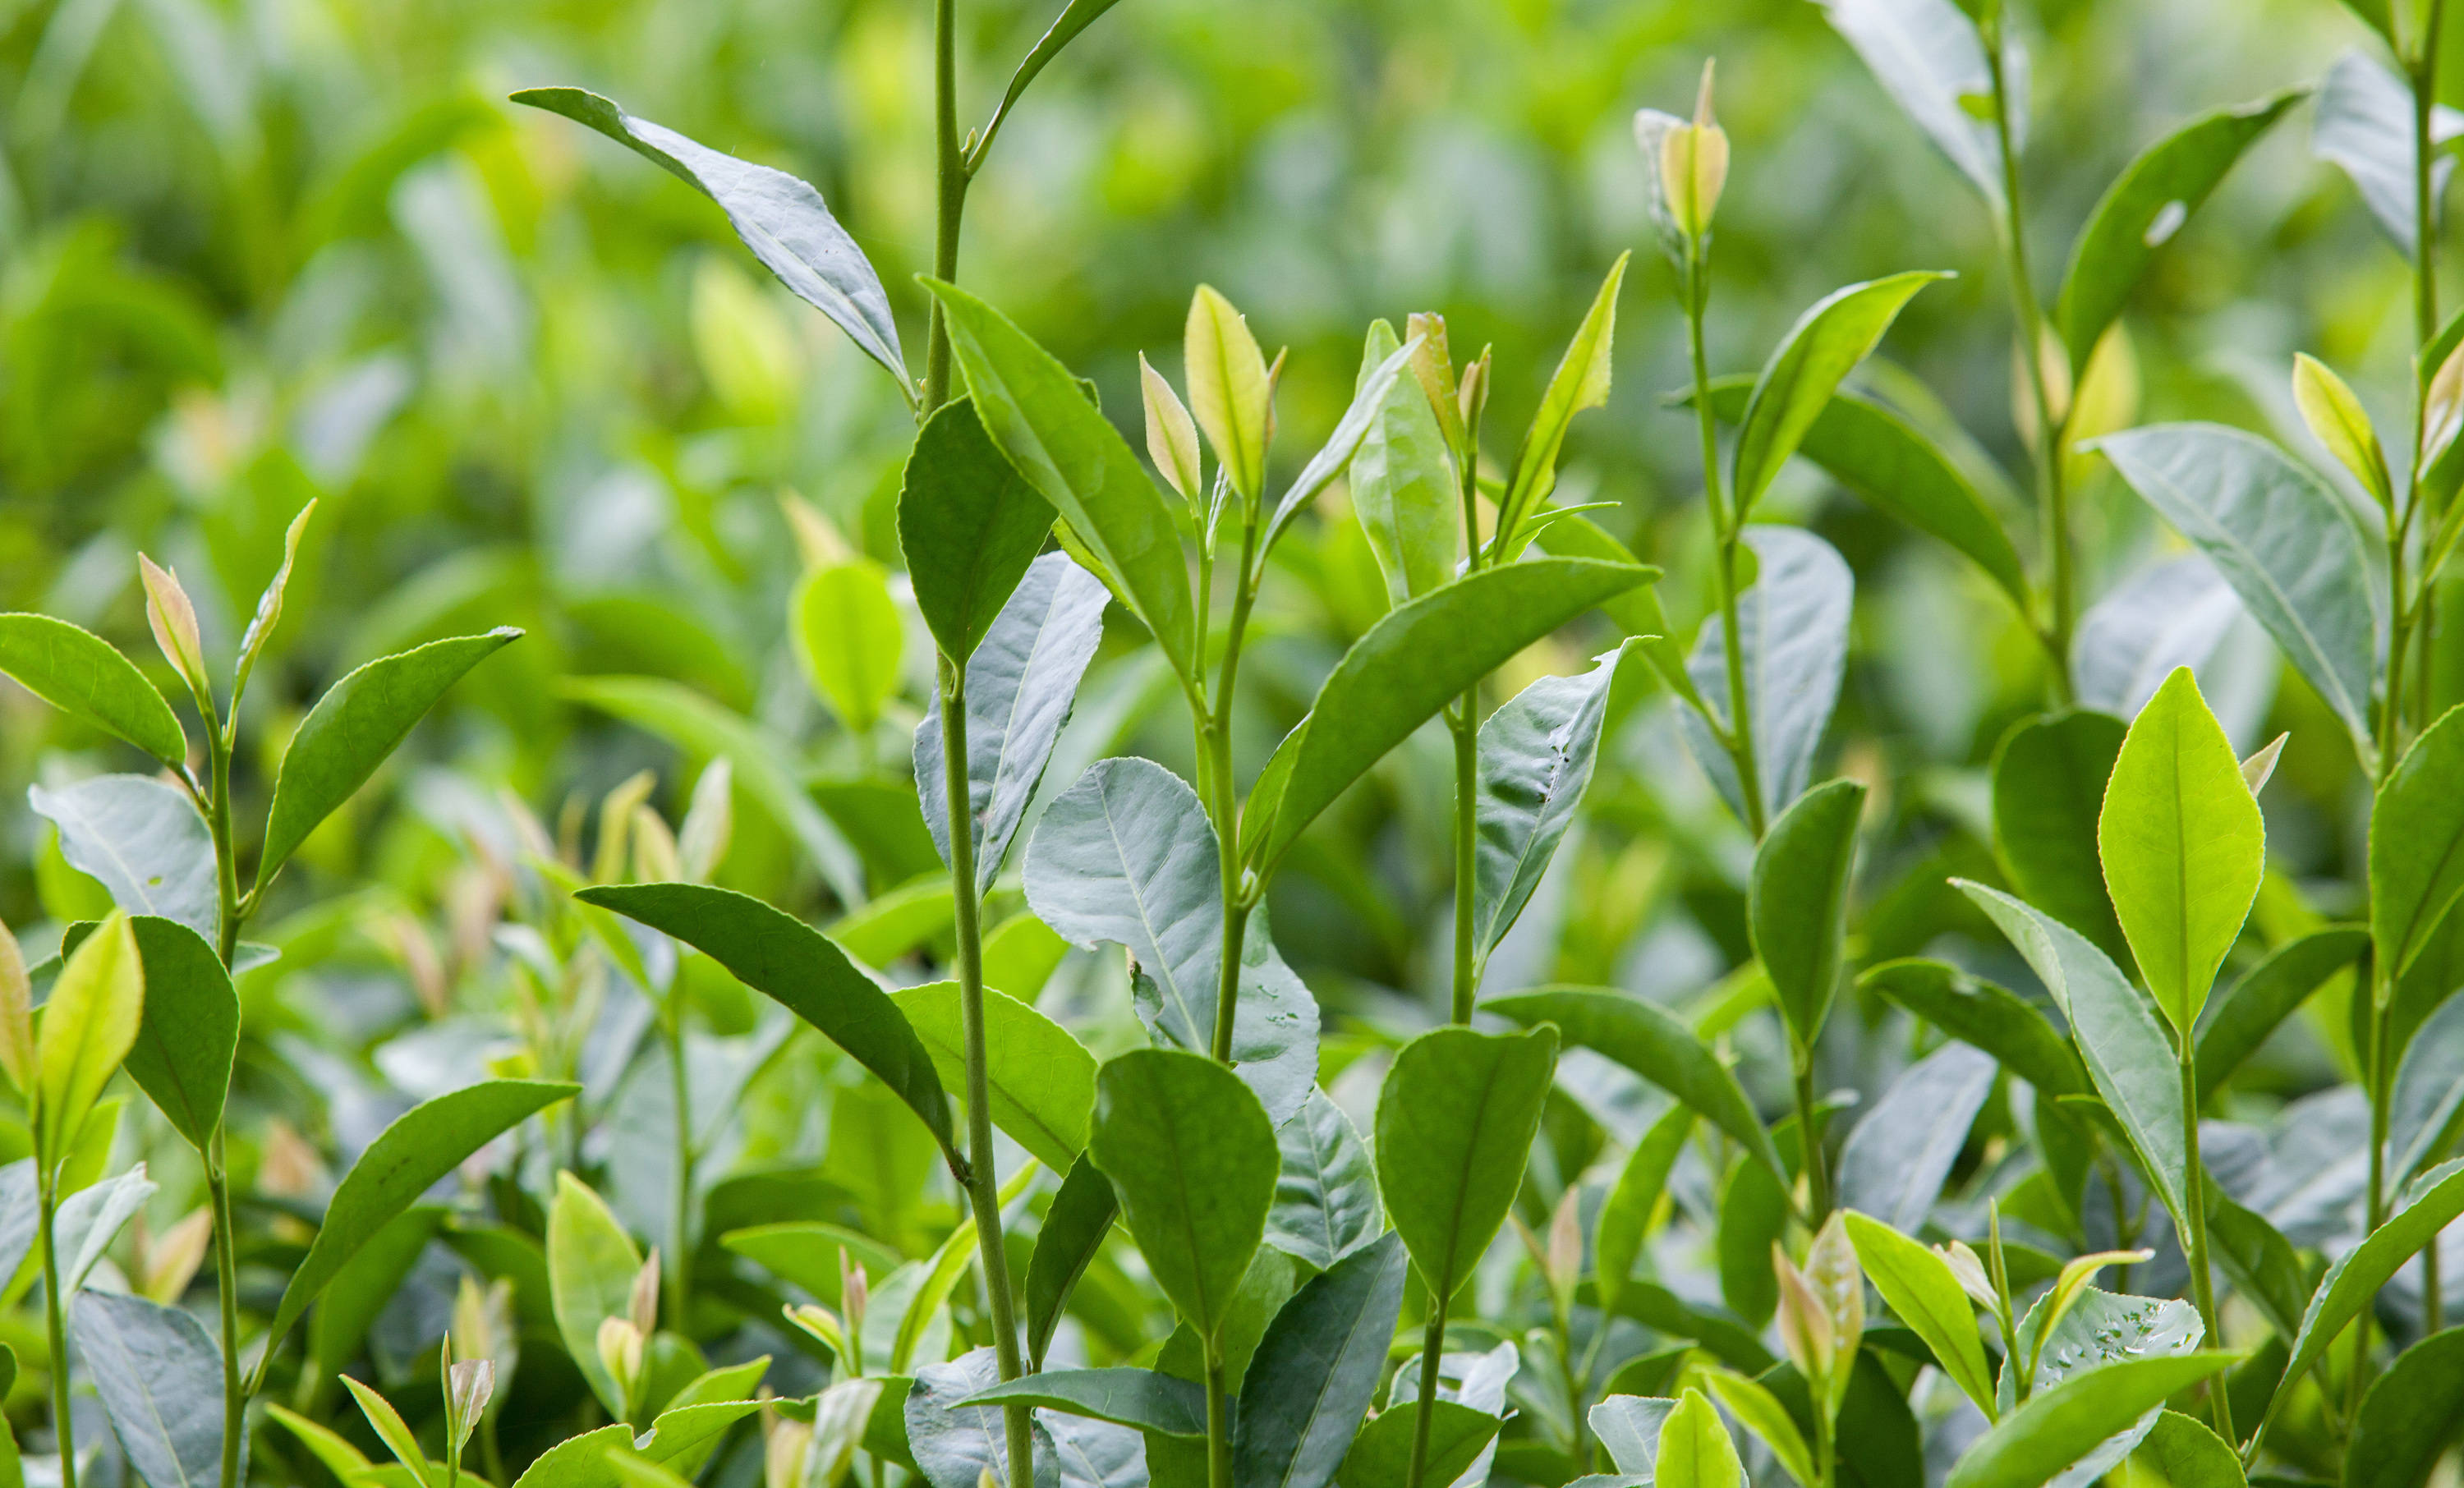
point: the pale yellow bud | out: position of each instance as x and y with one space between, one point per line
1694 165
620 1350
2338 420
469 1386
173 620
644 1304
1172 435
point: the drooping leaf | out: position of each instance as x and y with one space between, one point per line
1412 663
82 675
780 956
1403 482
1892 467
359 722
1652 1042
1923 1294
1141 1398
2284 541
91 1019
1325 1197
1793 637
1536 754
1036 414
1191 1157
143 839
1041 1079
2408 1417
2142 209
2049 778
2417 846
1991 1017
2426 1207
2249 1011
849 639
2058 1427
1926 53
1617 1241
1796 902
422 1146
970 526
2183 847
1316 1370
1580 381
1455 1121
1901 1152
2365 125
189 1032
1021 682
1074 1228
781 218
1797 384
160 1378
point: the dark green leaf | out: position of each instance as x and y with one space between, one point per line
1074 1228
2250 1010
1901 1151
1141 1398
1040 1079
1796 902
1403 483
1380 1456
1793 637
2417 845
363 1288
1722 1334
183 1054
969 524
1455 1121
1192 1156
1536 754
1326 1199
1617 1241
1754 1217
1316 1370
359 722
143 839
2409 1416
2058 1427
1991 1017
2189 1455
1797 384
2425 1207
161 1377
80 674
2259 1260
2428 1098
2049 776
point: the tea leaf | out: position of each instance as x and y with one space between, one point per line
87 1027
2338 420
1142 1398
2408 1417
407 1159
17 1014
1653 1043
2142 209
2259 1260
327 1446
1617 1241
2282 539
269 606
2417 846
1901 1152
82 675
190 1034
781 218
1074 17
1580 381
783 959
1041 1079
1325 1197
363 1288
1754 1217
1401 481
1797 384
388 1425
2048 783
1922 1292
143 840
1793 637
1758 1411
1930 59
2189 1455
2174 612
1695 1450
1414 661
1536 754
1192 1156
1036 414
1380 1456
591 1267
1316 1369
1377 389
160 1378
2184 848
1020 684
1987 1016
968 525
2241 1020
1455 1120
1074 1229
2422 1211
1796 902
1229 390
849 639
2365 125
2058 1427
359 722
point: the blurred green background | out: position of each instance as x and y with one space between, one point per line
254 251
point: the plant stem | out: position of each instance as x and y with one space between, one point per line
1215 730
950 173
1466 731
983 1189
62 1426
1726 528
1433 1349
227 1284
2203 1286
1812 1158
1826 1450
680 1260
1219 1422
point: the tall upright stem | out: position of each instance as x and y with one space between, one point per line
1214 729
1813 1159
950 178
227 928
1432 1350
1727 528
1219 1422
680 1227
2203 1286
1467 731
56 1331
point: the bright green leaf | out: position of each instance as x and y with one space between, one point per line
1455 1121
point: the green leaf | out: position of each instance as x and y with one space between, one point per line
1580 381
781 218
2058 1427
160 1378
1019 686
1140 1398
1403 482
189 1031
1380 1456
1991 1017
2115 1025
1629 1427
82 675
2189 1455
1929 57
2417 846
1192 1156
849 639
1040 1079
1720 1332
1037 415
2048 779
783 959
2259 1260
1412 663
592 1265
2408 1417
1797 384
2182 845
806 1251
1381 383
1325 1197
2425 1207
1074 1229
1695 1448
2142 209
363 1288
2285 542
583 1461
2249 1011
1796 902
968 525
359 722
1758 1411
1892 467
2172 612
1316 1371
389 1428
86 1029
953 1444
1793 638
1901 1151
1074 17
1536 756
143 839
326 1445
1616 1242
2427 1100
2365 125
1455 1120
1754 1217
407 1159
1649 1041
1922 1292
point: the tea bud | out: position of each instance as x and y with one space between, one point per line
620 1351
1172 435
2442 414
643 1305
2338 421
173 620
1694 165
469 1386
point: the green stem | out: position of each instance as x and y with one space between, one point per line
983 1189
1432 1350
57 1331
1219 1422
2203 1286
680 1232
1467 731
951 177
1826 1450
1809 1138
226 1284
1215 738
1726 528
